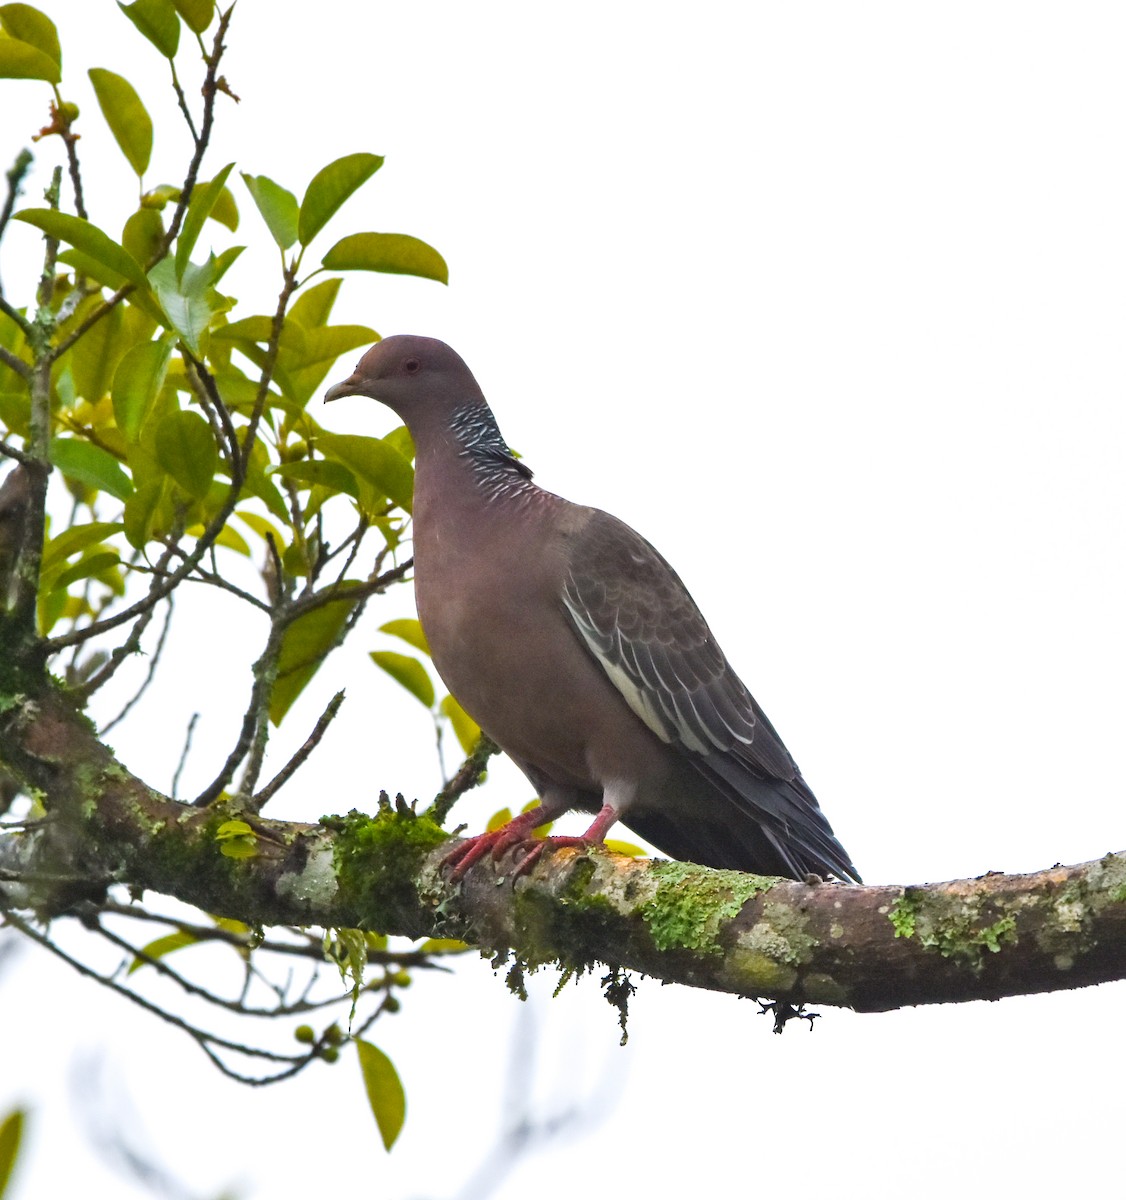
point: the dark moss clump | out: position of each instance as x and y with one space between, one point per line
378 859
545 926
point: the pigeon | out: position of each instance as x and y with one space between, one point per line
576 647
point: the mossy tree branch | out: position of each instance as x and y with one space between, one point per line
868 948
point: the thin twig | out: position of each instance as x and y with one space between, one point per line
185 196
203 139
103 310
207 392
311 948
200 1036
356 539
14 313
182 100
184 754
26 583
467 776
70 139
352 591
282 1009
256 714
15 176
154 662
208 577
14 362
259 799
9 451
128 648
314 1052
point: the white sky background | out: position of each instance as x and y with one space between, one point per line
826 300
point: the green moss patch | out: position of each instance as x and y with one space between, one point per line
692 906
955 926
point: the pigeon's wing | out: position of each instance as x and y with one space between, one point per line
636 617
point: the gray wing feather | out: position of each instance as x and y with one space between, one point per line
637 619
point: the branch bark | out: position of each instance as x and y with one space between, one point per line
868 948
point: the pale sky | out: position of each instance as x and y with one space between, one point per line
827 301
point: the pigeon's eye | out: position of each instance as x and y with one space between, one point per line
411 366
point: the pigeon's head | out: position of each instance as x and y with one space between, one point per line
417 377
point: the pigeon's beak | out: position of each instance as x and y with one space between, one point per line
348 387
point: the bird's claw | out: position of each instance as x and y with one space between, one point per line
499 843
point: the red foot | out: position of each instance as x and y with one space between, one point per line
473 849
515 834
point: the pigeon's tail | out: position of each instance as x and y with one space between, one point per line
740 820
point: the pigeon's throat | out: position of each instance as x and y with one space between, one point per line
480 446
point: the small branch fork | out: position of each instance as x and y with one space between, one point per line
280 1066
256 803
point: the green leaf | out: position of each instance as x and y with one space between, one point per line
407 671
143 235
149 510
204 198
27 24
250 329
277 206
90 464
161 946
141 299
304 646
306 347
466 730
391 253
189 302
224 261
400 438
126 116
11 1131
197 14
158 21
92 360
71 541
410 630
232 829
319 472
258 484
243 847
227 536
226 210
330 187
18 60
236 840
384 1091
185 448
620 847
498 820
375 463
87 238
540 830
263 528
443 946
160 196
137 383
88 566
314 306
